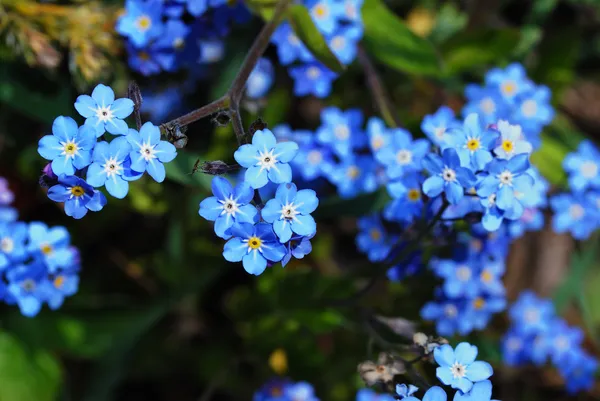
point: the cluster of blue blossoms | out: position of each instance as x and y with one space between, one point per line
75 152
160 39
537 334
285 390
262 234
37 263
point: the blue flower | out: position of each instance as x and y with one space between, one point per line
365 394
481 391
530 314
410 267
582 167
144 60
458 367
148 152
253 245
448 176
511 82
403 154
534 110
514 348
69 147
460 278
353 176
472 142
160 105
344 43
479 310
141 22
170 49
531 220
13 236
325 14
341 130
77 195
563 340
435 125
273 390
228 206
579 370
448 316
405 391
351 12
52 245
434 393
261 79
289 212
575 214
312 79
378 133
298 247
372 238
103 112
62 285
407 202
313 161
289 46
511 141
111 167
301 391
266 160
490 276
25 285
486 102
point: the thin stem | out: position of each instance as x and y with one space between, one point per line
238 126
198 114
378 92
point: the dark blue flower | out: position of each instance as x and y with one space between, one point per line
353 176
447 176
378 133
530 314
406 391
579 370
60 286
312 79
25 285
77 195
407 202
298 247
448 316
289 46
13 236
261 79
373 239
142 21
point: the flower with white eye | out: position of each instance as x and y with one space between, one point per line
103 112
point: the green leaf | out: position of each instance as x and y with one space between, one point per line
355 207
470 49
391 42
27 374
306 30
180 170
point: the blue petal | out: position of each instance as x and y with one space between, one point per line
454 192
49 147
488 186
117 187
286 193
165 151
138 163
280 173
256 177
283 230
246 214
254 263
82 160
435 393
444 374
271 211
518 164
463 384
234 250
120 148
492 219
75 209
451 158
62 165
64 128
433 186
479 371
101 152
274 251
304 225
150 133
86 137
222 226
306 201
444 356
58 193
117 127
246 155
86 106
264 140
122 108
103 95
210 208
286 151
243 193
97 202
433 163
505 197
96 176
95 124
156 170
465 353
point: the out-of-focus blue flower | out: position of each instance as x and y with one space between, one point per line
479 310
301 391
366 394
289 212
103 112
351 12
573 213
13 236
531 314
160 105
341 130
144 60
111 167
486 102
261 79
298 247
289 46
148 152
511 82
472 142
373 239
447 176
69 147
266 160
434 393
51 244
481 391
407 268
460 278
211 51
325 14
448 316
458 367
25 285
407 202
378 133
274 390
312 79
353 176
579 371
62 285
534 110
563 339
403 154
514 348
490 276
169 48
77 195
313 161
344 43
406 391
6 195
141 21
512 141
253 245
228 206
583 167
436 125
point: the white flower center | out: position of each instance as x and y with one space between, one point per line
70 149
147 151
350 10
532 315
321 11
178 43
143 23
266 159
505 178
562 343
313 73
404 157
377 142
463 273
508 87
341 132
104 113
589 169
529 108
576 211
289 212
230 206
338 42
314 157
458 370
491 200
112 167
293 39
514 344
439 132
450 310
487 105
7 245
448 174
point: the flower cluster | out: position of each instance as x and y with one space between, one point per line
537 334
37 263
578 212
75 153
260 234
285 390
339 21
159 39
508 94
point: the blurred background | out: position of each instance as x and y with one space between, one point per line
160 315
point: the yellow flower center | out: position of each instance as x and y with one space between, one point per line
486 276
254 242
320 10
507 145
473 144
144 56
377 143
59 281
144 23
46 249
478 303
509 87
414 194
276 392
353 172
375 234
77 191
70 148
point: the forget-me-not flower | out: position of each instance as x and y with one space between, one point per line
261 79
51 244
447 176
141 22
403 154
512 141
575 214
312 79
472 142
511 81
435 125
583 167
103 112
111 167
77 195
148 152
341 130
458 367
